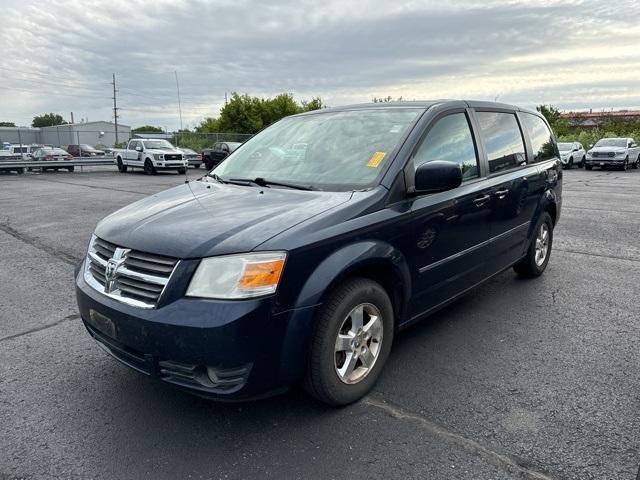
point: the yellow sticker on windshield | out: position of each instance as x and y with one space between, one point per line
376 159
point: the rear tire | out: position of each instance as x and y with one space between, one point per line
635 164
354 328
149 169
581 164
539 251
208 163
122 168
589 167
20 171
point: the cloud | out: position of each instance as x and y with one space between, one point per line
59 56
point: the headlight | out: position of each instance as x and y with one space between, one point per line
237 276
622 154
158 156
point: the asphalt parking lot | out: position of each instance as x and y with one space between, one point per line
533 379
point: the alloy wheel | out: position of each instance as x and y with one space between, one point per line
542 244
358 343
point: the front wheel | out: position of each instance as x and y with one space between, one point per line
149 169
71 169
581 164
635 164
351 342
539 252
589 167
625 165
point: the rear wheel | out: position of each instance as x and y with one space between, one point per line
581 164
588 167
208 163
539 252
20 171
122 168
149 169
351 342
635 164
71 169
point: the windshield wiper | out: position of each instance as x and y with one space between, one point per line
262 182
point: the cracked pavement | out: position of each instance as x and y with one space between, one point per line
519 379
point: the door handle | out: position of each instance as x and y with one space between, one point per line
479 201
501 193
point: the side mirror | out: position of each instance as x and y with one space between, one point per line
437 176
591 145
138 149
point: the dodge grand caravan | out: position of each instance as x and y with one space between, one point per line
299 257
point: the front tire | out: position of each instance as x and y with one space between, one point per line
581 164
149 169
539 252
635 164
71 169
589 167
351 342
625 165
208 163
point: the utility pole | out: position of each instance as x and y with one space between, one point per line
72 118
179 107
225 99
115 106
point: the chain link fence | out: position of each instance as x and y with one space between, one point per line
63 136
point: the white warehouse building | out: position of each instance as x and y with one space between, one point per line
91 133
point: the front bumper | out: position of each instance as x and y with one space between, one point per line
233 350
605 161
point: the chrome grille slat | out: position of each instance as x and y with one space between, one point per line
140 277
134 263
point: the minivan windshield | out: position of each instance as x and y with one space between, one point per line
612 142
344 150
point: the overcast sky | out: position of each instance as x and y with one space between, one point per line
59 55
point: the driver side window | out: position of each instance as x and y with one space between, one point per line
450 139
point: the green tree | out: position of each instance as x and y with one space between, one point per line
7 124
48 120
147 129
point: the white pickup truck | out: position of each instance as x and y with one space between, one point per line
613 152
151 155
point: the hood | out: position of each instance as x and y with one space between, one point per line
608 149
163 150
203 218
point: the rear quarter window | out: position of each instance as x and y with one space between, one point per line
502 139
542 142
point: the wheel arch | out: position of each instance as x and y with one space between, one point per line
375 260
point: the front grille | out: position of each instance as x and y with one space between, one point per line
172 156
131 276
603 154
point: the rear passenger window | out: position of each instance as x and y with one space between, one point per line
502 140
450 139
544 147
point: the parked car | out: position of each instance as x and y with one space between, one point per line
6 157
84 150
613 152
151 155
572 153
52 154
24 151
287 263
193 158
220 150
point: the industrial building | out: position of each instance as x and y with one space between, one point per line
91 133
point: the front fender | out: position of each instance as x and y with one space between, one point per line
349 259
331 271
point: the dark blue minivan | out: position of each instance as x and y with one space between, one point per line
299 257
